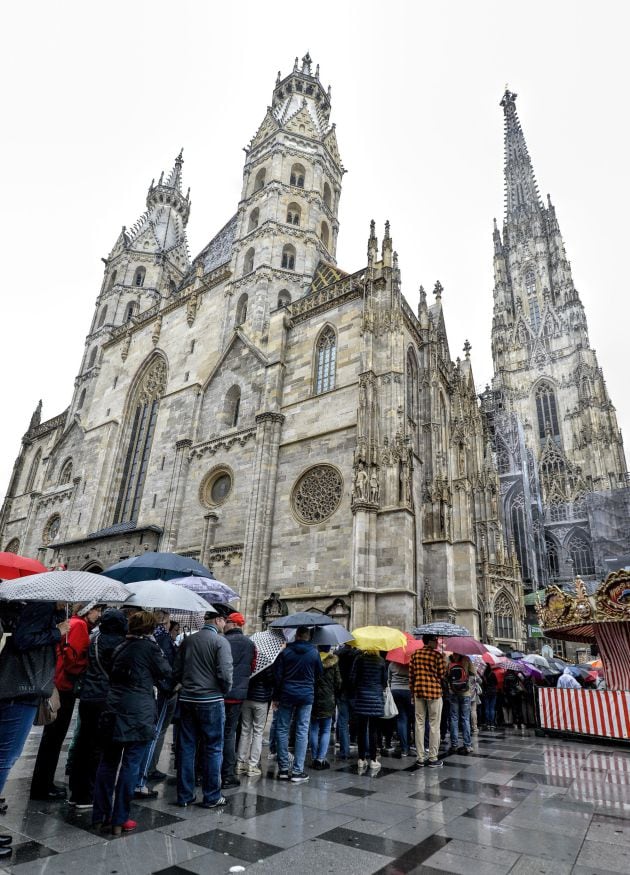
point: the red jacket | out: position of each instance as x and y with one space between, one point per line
72 654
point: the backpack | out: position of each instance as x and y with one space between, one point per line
458 679
512 685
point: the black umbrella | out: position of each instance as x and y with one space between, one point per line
153 566
302 618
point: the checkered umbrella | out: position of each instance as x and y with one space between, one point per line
64 586
441 629
268 646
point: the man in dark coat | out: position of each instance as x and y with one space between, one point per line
243 659
203 667
296 670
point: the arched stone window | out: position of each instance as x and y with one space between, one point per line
534 313
259 182
231 406
130 310
254 218
32 472
503 617
519 532
13 546
297 175
530 283
325 234
327 196
553 557
241 309
288 257
138 279
248 263
81 400
51 529
141 419
294 214
325 360
112 280
172 286
547 411
92 358
65 475
503 461
101 318
412 387
581 554
557 510
284 298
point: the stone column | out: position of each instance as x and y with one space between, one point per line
176 500
211 521
256 552
363 563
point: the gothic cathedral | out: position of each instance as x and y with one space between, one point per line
303 431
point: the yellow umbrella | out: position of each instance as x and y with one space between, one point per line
377 638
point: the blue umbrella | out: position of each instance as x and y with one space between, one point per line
153 566
332 635
302 618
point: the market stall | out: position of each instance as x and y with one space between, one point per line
601 618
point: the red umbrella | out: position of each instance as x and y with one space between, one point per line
12 566
403 654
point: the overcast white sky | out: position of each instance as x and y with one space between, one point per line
99 98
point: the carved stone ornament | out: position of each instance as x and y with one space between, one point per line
124 346
153 384
157 328
191 309
317 494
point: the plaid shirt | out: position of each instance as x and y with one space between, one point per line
426 670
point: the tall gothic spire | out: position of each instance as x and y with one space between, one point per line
521 189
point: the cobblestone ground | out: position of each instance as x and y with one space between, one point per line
518 804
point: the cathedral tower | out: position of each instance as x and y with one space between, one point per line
556 434
286 223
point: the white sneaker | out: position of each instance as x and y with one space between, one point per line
374 766
253 771
241 768
362 765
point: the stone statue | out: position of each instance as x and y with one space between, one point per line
360 483
374 487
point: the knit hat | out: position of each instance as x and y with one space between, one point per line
236 618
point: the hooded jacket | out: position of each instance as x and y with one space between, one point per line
111 633
327 688
295 671
72 655
369 679
243 658
203 666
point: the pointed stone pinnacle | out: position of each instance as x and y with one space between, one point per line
372 230
467 348
437 290
387 229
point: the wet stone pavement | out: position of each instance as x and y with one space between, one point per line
518 804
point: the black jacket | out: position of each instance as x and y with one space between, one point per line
166 644
243 655
346 656
260 688
111 633
295 671
203 666
327 688
137 666
368 679
35 628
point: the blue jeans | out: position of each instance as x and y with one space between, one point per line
320 737
490 707
343 726
16 720
405 719
112 796
283 723
204 722
460 715
272 732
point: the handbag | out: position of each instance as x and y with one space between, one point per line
27 673
389 706
48 708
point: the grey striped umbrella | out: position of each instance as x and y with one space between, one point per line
64 586
442 630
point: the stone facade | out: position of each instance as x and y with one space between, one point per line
552 422
296 427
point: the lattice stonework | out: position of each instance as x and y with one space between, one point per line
317 494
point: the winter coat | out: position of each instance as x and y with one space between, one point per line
166 644
203 666
327 688
368 679
295 671
137 666
72 655
346 656
243 659
260 688
36 627
111 633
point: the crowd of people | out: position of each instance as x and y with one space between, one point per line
133 675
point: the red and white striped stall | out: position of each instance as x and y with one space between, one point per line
604 713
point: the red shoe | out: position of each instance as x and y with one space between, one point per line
127 826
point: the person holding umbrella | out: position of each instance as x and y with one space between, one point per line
426 671
243 661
